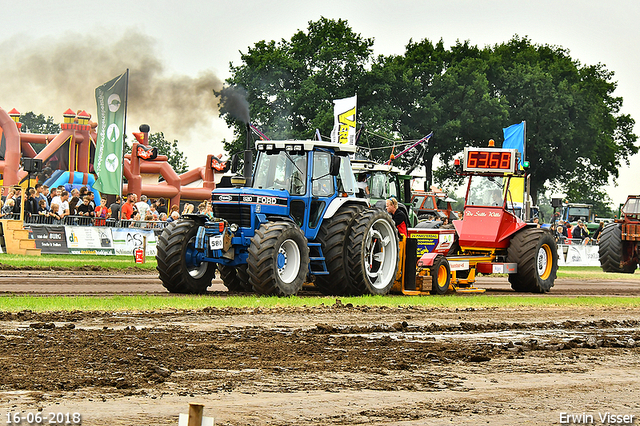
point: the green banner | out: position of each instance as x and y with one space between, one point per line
111 98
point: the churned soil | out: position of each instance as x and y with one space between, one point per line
327 365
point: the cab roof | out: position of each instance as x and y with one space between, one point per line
307 145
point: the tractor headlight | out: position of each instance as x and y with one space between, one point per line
233 227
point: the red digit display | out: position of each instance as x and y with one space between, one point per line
489 160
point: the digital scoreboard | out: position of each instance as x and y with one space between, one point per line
489 160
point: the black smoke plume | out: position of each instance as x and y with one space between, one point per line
233 100
48 76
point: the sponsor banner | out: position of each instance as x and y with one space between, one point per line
344 123
89 240
429 241
111 100
578 255
126 240
459 265
50 239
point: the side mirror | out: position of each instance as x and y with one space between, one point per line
234 163
334 169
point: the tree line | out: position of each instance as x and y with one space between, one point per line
577 138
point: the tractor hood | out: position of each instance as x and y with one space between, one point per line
267 197
487 227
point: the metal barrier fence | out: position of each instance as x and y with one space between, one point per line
72 220
577 241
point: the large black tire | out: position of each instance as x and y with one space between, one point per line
536 253
235 278
333 237
611 251
372 253
278 259
177 266
440 275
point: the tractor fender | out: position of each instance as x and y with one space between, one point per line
338 202
427 259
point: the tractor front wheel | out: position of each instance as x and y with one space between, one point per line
235 278
278 259
536 253
178 265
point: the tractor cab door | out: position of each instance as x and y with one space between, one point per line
322 189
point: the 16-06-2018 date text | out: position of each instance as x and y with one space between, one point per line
41 418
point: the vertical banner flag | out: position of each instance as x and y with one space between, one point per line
514 138
344 123
111 99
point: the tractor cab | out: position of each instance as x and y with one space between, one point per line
297 180
490 212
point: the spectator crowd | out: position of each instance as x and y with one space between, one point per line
79 206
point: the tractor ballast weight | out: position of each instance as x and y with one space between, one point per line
489 238
299 221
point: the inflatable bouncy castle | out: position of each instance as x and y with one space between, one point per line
66 159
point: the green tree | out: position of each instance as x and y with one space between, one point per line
291 84
430 89
176 158
576 136
32 123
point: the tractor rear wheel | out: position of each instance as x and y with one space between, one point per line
440 275
235 278
333 237
611 251
178 266
536 253
278 260
372 253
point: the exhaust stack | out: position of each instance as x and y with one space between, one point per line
248 158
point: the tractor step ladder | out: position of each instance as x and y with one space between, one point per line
317 264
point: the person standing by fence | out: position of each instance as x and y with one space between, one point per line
114 209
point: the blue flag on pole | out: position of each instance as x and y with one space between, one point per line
514 138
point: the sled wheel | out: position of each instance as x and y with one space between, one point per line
440 275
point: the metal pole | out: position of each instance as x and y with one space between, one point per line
195 414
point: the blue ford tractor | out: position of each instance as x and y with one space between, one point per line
298 221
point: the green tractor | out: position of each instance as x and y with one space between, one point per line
385 181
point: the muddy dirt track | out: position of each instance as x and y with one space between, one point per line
328 365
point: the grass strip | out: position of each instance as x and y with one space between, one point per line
15 303
75 261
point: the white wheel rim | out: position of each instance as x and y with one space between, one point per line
290 253
381 252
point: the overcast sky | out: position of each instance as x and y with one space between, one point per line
54 53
